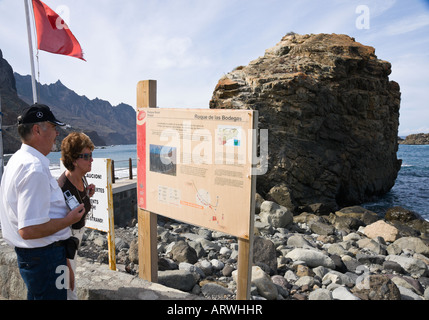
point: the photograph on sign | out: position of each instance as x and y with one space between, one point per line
163 159
197 167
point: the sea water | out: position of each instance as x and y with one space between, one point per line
120 154
410 191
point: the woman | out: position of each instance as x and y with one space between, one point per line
76 152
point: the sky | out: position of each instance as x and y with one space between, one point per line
188 45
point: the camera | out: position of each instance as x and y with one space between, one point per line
71 200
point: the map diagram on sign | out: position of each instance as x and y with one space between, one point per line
229 136
203 198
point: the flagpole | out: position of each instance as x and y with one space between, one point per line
30 46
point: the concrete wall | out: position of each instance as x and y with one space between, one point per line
125 202
12 286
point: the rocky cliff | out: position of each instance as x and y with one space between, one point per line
105 124
11 107
332 115
114 125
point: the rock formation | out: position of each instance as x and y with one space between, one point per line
104 123
12 106
332 115
113 124
416 139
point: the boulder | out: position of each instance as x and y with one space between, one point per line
377 287
332 114
365 216
321 228
401 214
264 252
415 267
183 252
266 287
178 279
413 243
320 294
275 215
381 229
342 293
312 258
214 290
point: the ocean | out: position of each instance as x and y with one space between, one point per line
120 154
410 190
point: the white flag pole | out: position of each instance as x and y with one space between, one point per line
30 46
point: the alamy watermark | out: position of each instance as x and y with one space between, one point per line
363 21
63 21
63 280
229 146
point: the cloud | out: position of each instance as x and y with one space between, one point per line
407 25
408 131
160 52
378 8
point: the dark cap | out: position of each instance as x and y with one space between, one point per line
39 113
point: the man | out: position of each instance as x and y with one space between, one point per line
33 213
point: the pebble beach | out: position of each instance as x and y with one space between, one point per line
351 254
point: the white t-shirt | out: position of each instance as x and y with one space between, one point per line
30 196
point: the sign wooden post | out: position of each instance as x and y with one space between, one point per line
147 237
111 232
245 258
195 166
245 246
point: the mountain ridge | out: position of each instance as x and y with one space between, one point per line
113 124
104 123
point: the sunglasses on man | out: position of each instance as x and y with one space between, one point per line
85 156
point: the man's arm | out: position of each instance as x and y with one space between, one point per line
53 226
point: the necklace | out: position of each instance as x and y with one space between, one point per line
79 192
84 183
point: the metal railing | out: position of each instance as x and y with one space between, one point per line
129 168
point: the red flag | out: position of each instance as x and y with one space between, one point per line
53 35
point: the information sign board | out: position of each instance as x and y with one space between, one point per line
100 176
195 165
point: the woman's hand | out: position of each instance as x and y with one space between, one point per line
91 190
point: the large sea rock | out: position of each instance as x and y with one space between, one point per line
332 115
